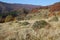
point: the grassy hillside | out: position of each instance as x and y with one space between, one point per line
40 25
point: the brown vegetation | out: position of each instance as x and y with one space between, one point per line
55 7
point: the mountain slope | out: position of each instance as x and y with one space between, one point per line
55 7
10 7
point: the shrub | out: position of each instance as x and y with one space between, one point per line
8 18
54 19
39 24
12 39
25 23
28 17
13 13
0 18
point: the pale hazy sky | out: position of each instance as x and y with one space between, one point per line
34 2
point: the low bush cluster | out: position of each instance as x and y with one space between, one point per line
39 24
54 19
25 23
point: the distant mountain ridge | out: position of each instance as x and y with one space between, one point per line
17 6
7 7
